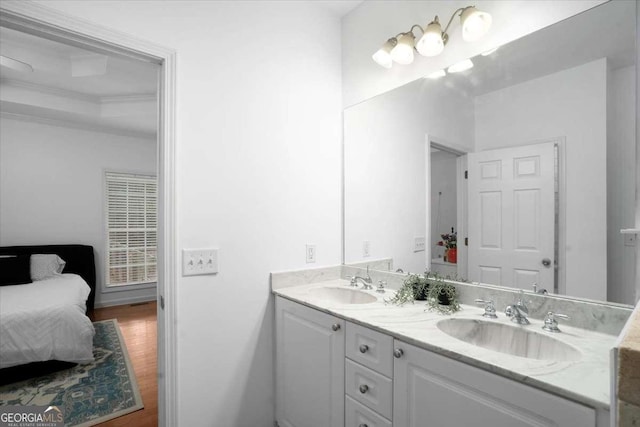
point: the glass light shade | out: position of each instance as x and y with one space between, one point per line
475 24
403 52
460 66
383 56
437 74
431 42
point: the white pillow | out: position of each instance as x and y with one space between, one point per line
44 266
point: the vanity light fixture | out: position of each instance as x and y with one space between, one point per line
461 66
400 48
383 55
402 53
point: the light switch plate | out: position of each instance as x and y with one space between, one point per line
366 249
419 244
311 254
197 262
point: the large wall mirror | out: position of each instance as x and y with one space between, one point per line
529 157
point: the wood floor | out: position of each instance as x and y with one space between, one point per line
138 324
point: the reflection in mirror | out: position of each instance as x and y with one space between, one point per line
544 130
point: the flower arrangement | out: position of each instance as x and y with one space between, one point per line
449 240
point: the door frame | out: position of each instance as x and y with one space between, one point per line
42 21
461 197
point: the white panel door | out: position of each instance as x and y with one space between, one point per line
310 367
430 390
512 216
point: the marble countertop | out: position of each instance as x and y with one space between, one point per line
586 380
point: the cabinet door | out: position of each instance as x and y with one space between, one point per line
309 367
433 391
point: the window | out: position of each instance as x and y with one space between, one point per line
132 223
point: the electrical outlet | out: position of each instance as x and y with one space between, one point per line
630 239
419 244
197 262
311 254
366 248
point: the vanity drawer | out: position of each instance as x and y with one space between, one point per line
370 348
358 415
369 388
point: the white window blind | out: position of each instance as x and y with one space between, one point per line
132 224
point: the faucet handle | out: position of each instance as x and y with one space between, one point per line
381 285
353 281
489 308
551 321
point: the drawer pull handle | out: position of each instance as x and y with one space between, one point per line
398 353
363 425
364 388
364 348
335 326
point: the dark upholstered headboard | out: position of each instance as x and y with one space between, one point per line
79 259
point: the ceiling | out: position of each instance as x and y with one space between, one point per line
339 8
77 87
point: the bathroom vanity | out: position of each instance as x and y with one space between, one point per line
346 358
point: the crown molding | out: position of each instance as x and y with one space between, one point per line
92 127
64 93
143 97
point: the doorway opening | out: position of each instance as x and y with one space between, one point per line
446 225
35 20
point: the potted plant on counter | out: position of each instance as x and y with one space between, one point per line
442 295
430 287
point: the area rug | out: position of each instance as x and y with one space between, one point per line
87 394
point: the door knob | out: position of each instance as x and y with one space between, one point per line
398 353
335 326
364 388
546 262
364 348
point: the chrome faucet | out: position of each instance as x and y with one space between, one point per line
366 281
518 312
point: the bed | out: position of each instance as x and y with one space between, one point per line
46 320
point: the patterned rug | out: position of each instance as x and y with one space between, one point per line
86 394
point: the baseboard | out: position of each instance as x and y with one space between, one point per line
125 301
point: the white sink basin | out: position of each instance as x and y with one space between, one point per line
342 296
514 340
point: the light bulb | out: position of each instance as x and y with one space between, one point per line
460 66
475 24
383 55
431 42
437 74
402 53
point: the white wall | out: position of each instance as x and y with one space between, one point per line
368 26
385 182
571 104
443 198
259 136
51 189
621 184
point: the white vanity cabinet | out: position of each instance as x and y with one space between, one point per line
431 390
333 373
309 367
368 377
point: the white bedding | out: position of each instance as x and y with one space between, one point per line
45 320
